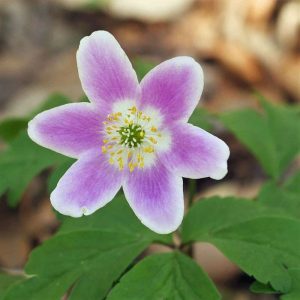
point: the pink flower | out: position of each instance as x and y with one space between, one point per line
131 135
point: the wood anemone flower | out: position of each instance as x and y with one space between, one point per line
131 135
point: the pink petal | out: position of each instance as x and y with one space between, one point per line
156 197
195 153
69 129
174 88
105 71
89 184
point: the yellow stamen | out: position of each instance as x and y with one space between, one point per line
148 149
131 167
153 140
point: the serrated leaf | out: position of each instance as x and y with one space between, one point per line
165 276
273 136
20 163
261 288
294 293
98 247
262 245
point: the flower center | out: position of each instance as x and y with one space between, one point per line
130 139
132 135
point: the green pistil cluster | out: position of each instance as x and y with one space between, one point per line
132 135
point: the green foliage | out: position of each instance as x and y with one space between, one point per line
10 128
293 184
201 118
260 288
165 276
96 257
52 101
294 293
262 245
6 281
92 5
272 136
91 253
142 67
20 163
284 197
212 214
23 159
58 173
281 198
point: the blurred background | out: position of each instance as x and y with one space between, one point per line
243 46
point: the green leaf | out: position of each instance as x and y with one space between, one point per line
264 247
90 253
52 101
20 163
281 198
6 281
284 124
273 136
293 184
261 244
252 130
37 288
294 293
58 173
215 213
10 128
165 276
201 118
117 215
142 67
261 288
23 159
